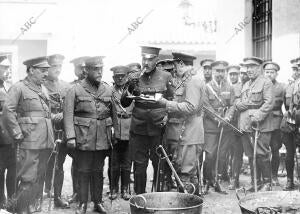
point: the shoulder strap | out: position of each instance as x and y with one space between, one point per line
214 93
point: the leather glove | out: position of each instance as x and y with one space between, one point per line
71 143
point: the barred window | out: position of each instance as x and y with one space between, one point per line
262 29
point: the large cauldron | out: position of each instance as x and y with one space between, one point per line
272 202
166 203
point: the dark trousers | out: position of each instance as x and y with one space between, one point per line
7 162
211 140
31 169
237 160
143 148
63 151
90 171
288 140
121 164
263 153
275 145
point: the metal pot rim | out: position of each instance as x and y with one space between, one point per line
168 209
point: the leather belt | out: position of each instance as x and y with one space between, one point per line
147 105
93 116
277 108
253 106
35 114
123 116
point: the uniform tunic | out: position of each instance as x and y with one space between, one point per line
147 124
184 129
87 116
257 101
27 115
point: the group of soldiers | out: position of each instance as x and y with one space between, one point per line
161 110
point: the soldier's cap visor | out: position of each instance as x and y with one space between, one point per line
149 52
120 69
206 62
233 69
185 58
219 65
79 61
252 61
95 61
39 62
55 59
271 66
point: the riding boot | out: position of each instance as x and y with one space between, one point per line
84 179
81 209
125 182
218 187
74 174
139 183
289 185
97 179
58 184
115 175
266 173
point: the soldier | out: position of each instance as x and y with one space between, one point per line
255 107
88 124
288 128
184 130
237 160
79 72
78 68
206 65
7 152
271 71
28 119
121 161
148 118
57 90
220 97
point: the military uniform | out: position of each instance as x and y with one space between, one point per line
184 130
7 152
206 64
78 70
147 121
27 115
57 90
220 99
257 101
237 160
120 157
88 120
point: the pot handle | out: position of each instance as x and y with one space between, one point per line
239 190
190 188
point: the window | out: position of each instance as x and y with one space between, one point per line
262 29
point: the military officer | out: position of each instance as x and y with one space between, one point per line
288 128
148 118
220 97
27 115
184 130
7 152
293 122
255 108
237 143
57 90
121 161
78 68
79 72
88 124
271 71
206 65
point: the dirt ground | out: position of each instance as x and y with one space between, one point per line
213 202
